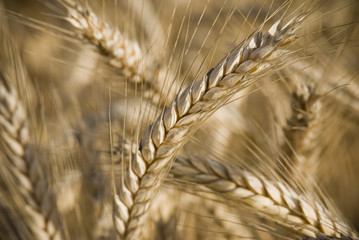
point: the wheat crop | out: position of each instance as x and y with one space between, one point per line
111 113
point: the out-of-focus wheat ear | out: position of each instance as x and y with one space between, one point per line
180 119
124 54
271 198
301 148
31 193
26 171
342 86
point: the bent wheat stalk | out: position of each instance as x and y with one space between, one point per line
271 198
181 118
25 169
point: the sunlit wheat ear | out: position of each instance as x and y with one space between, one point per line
302 131
178 121
123 53
25 168
271 198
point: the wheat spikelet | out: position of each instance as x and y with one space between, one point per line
195 103
272 198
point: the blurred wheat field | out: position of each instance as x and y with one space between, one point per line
179 119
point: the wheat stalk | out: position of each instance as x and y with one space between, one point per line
182 116
15 134
272 198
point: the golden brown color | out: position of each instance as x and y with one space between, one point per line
116 92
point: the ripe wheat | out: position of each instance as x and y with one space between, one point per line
303 127
272 198
115 176
177 121
124 54
24 167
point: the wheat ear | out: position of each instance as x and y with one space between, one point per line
124 54
303 127
180 119
15 135
341 85
272 198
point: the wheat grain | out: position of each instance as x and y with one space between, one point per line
179 119
272 198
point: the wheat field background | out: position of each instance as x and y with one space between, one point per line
179 119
